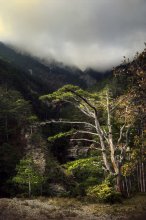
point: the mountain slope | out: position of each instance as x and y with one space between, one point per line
52 75
27 85
33 77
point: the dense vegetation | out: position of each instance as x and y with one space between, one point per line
76 141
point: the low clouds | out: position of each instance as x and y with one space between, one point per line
85 33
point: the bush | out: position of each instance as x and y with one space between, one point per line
104 193
87 172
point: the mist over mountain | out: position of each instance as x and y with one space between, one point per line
51 74
33 77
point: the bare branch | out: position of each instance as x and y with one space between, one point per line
86 132
127 132
70 102
76 99
105 132
121 133
83 139
87 112
84 112
67 122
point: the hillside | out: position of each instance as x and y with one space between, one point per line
60 140
33 77
27 78
52 75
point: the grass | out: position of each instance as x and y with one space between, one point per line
70 208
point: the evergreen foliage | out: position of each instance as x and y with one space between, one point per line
28 174
87 172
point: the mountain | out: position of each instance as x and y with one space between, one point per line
33 77
52 75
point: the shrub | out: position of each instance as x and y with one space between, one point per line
104 193
87 171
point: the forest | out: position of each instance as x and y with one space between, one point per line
76 142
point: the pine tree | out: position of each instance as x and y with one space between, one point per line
28 174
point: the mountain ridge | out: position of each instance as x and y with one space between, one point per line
55 74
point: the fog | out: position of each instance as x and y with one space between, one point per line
85 33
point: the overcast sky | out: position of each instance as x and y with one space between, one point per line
85 33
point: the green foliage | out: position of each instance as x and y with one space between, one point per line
67 93
53 171
60 135
15 113
15 117
32 119
12 105
9 157
87 171
55 174
104 193
27 173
